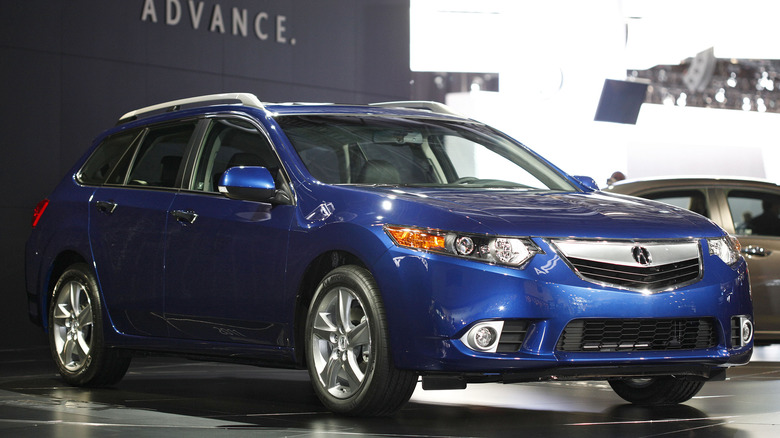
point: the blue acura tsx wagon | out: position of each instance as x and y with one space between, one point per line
375 246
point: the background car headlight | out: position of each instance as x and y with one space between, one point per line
509 251
726 248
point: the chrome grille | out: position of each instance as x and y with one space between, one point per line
638 265
636 277
595 335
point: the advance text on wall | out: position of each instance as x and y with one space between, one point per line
239 22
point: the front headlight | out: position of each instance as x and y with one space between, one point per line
726 248
509 251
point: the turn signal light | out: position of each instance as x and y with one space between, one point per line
416 238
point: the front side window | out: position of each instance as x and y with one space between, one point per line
232 142
415 152
755 213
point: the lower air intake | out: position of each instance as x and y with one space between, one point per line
512 336
594 335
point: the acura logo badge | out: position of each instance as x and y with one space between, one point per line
641 255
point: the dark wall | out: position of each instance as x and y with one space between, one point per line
69 69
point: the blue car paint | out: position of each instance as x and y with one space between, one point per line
431 299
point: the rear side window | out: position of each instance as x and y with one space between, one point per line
160 156
105 158
755 212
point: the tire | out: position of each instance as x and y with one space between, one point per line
656 391
347 347
76 332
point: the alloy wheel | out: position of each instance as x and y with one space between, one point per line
341 342
72 324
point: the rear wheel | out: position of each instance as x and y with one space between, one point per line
76 332
347 346
650 391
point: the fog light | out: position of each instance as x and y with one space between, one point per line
741 331
484 336
747 331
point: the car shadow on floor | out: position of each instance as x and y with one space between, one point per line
250 398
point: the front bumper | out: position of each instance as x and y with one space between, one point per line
433 300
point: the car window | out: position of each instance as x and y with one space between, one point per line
755 212
693 200
159 157
415 152
105 158
232 142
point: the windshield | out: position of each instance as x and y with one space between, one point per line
415 152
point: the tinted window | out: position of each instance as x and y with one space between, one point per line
229 143
106 156
693 200
415 152
755 212
159 158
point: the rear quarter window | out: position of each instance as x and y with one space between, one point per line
105 158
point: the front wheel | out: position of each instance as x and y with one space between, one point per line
654 391
76 332
347 346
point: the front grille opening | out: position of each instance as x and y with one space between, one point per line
512 336
600 335
638 277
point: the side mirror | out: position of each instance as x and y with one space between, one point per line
248 183
587 182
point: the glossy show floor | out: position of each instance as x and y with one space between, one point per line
180 398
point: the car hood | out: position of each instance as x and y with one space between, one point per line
556 214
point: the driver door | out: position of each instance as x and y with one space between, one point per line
226 258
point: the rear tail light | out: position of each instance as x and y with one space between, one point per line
38 211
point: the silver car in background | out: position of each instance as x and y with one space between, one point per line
746 208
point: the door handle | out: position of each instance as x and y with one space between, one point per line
184 216
106 206
755 251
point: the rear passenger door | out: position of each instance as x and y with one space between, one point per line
226 258
128 216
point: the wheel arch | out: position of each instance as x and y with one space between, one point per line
58 266
312 276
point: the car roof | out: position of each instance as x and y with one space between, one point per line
641 184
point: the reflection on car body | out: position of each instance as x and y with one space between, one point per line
374 245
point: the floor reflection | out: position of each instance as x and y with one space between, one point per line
178 398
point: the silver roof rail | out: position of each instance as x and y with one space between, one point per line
247 99
436 107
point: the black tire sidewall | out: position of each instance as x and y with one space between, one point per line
360 282
664 390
